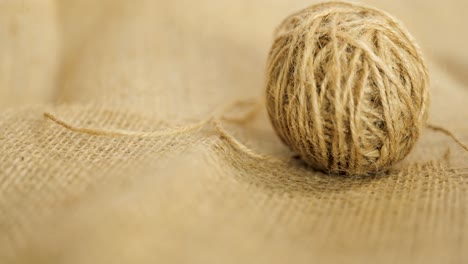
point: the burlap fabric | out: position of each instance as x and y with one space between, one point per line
203 196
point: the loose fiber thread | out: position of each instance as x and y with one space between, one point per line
216 121
346 88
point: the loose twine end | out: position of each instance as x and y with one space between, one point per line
118 132
221 115
448 133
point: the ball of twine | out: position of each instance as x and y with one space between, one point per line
346 88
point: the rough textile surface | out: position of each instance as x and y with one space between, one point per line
346 87
203 195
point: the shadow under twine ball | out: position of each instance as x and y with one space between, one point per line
346 88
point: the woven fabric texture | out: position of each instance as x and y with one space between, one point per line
206 195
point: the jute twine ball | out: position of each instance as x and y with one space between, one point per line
346 88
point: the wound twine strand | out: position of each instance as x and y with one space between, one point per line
346 88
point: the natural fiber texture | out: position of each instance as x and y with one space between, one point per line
347 88
190 177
